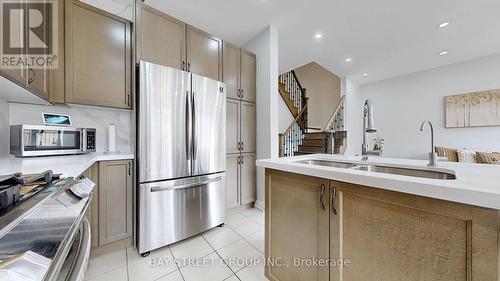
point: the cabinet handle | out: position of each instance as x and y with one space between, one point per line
242 93
129 169
322 193
332 204
239 160
242 160
183 65
242 145
189 67
33 77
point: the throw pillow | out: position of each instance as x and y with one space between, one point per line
488 158
467 156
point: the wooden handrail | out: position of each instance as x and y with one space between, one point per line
296 118
298 82
339 104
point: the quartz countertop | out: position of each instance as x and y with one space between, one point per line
475 184
67 165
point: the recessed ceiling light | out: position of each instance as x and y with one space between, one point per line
365 74
318 35
443 53
348 60
444 24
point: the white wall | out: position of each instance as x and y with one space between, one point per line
284 115
265 46
353 113
121 8
322 89
402 103
81 116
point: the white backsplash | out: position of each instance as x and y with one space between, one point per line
81 116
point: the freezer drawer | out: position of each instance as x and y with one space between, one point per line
170 211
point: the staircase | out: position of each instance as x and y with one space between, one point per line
298 138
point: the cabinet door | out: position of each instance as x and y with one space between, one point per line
296 226
160 38
248 175
393 236
204 54
17 74
38 78
232 181
248 76
98 56
232 125
231 70
115 201
248 120
93 213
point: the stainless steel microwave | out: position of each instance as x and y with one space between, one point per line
36 140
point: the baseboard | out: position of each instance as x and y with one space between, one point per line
259 205
111 247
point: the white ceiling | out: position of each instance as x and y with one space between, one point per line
384 38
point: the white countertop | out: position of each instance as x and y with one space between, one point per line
68 165
475 184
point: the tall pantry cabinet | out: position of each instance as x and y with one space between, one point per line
239 74
168 41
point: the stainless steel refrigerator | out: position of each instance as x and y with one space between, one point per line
181 155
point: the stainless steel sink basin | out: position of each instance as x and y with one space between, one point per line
406 172
410 172
335 164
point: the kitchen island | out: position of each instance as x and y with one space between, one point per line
327 222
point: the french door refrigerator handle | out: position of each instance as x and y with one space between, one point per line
188 126
193 120
182 186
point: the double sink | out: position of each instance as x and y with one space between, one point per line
410 172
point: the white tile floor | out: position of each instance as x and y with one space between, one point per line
233 252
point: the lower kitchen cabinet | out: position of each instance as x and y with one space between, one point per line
232 181
240 179
110 214
115 201
297 218
368 233
394 236
248 174
93 213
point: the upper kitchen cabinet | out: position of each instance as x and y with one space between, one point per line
239 73
43 74
98 57
164 40
160 38
231 70
16 38
248 76
203 53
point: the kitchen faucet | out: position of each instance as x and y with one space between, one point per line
367 127
432 154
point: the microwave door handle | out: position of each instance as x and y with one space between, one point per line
83 142
183 186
